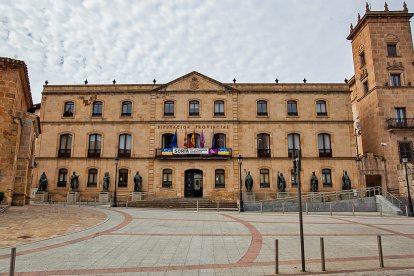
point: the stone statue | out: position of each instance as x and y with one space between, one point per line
74 182
346 182
105 184
42 183
281 182
137 182
314 183
248 182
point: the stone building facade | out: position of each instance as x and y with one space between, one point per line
382 94
18 131
263 123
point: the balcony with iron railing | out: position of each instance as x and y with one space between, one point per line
64 153
263 153
168 154
400 123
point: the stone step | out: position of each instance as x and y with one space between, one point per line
182 204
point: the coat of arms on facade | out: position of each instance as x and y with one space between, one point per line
194 85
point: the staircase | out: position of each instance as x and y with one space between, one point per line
185 203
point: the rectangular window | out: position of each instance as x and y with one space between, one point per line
406 150
326 178
169 109
261 108
392 50
321 108
69 109
395 79
292 108
92 178
194 108
126 109
264 178
167 178
97 109
400 119
219 179
324 143
362 59
218 108
123 178
365 86
62 178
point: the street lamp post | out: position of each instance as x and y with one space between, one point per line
114 204
240 160
296 168
410 202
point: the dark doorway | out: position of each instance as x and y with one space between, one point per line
193 183
373 180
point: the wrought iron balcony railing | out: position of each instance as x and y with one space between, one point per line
192 153
400 123
263 153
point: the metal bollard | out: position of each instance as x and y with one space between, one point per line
406 210
330 208
381 210
322 255
127 204
197 205
261 207
353 209
218 207
283 207
381 257
94 202
12 261
306 206
276 256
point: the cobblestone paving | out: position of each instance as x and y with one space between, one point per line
169 242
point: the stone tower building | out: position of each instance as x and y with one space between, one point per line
382 94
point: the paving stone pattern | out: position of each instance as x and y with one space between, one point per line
176 242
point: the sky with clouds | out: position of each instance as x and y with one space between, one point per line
66 42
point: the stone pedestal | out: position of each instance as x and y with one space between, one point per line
315 197
73 197
104 197
137 196
41 196
249 196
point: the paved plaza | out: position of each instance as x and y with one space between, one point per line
177 242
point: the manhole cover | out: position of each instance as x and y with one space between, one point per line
24 237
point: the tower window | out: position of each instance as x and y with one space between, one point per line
406 150
365 85
362 59
395 79
392 50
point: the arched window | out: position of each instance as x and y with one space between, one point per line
92 177
126 108
62 178
169 108
97 109
292 108
321 108
65 145
194 108
123 178
263 145
69 109
166 140
194 142
264 178
219 141
326 178
261 108
219 179
219 108
293 144
324 143
95 143
166 178
124 145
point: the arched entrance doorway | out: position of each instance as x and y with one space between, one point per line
193 183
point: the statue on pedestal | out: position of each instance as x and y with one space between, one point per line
248 182
137 182
281 182
346 182
105 185
42 183
314 183
74 182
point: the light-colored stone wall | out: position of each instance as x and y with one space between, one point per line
240 124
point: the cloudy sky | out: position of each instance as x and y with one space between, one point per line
66 42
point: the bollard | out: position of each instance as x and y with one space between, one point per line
276 256
322 255
406 210
12 261
353 209
330 208
381 210
306 206
218 207
381 257
127 204
94 202
261 207
283 207
197 205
